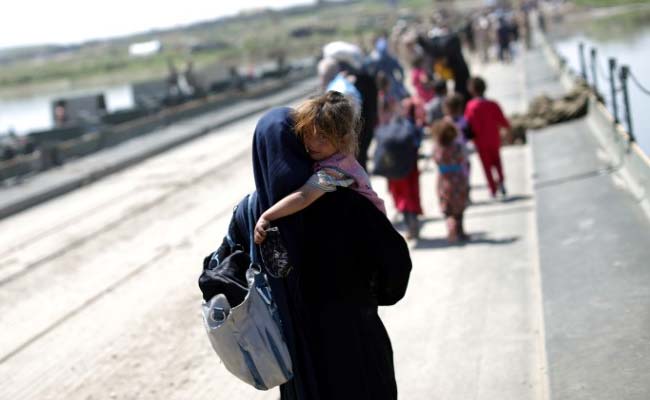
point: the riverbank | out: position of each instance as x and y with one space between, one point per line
607 3
606 22
626 156
221 43
619 33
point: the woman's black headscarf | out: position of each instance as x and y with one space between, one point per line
280 162
281 165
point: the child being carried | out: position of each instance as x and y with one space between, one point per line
327 125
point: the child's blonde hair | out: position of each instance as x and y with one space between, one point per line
444 132
332 116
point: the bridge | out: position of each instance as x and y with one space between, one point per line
549 300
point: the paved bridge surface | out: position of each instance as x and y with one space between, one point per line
549 300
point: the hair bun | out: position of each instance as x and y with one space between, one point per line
335 96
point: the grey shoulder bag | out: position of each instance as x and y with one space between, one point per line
248 338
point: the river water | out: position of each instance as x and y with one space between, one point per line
24 115
626 39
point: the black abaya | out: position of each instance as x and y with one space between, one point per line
354 260
347 259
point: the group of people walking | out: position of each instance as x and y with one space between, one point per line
453 118
310 165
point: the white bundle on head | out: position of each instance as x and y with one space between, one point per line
327 70
344 52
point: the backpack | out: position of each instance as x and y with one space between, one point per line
396 152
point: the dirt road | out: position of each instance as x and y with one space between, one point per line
98 294
99 300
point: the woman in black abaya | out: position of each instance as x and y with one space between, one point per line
347 259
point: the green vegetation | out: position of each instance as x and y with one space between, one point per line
249 39
608 3
623 25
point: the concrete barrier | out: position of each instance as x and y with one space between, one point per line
123 116
19 166
56 134
81 110
71 142
87 144
58 181
149 94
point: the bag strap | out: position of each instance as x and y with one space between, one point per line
239 223
252 200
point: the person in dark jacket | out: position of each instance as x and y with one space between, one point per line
365 84
504 37
328 303
447 51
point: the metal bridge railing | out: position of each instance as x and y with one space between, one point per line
624 76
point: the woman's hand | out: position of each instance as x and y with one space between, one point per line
260 230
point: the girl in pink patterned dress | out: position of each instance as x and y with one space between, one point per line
328 126
452 180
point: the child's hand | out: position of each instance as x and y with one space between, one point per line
260 230
334 174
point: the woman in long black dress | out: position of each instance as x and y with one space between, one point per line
348 260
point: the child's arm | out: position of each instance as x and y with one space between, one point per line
291 204
504 125
503 121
